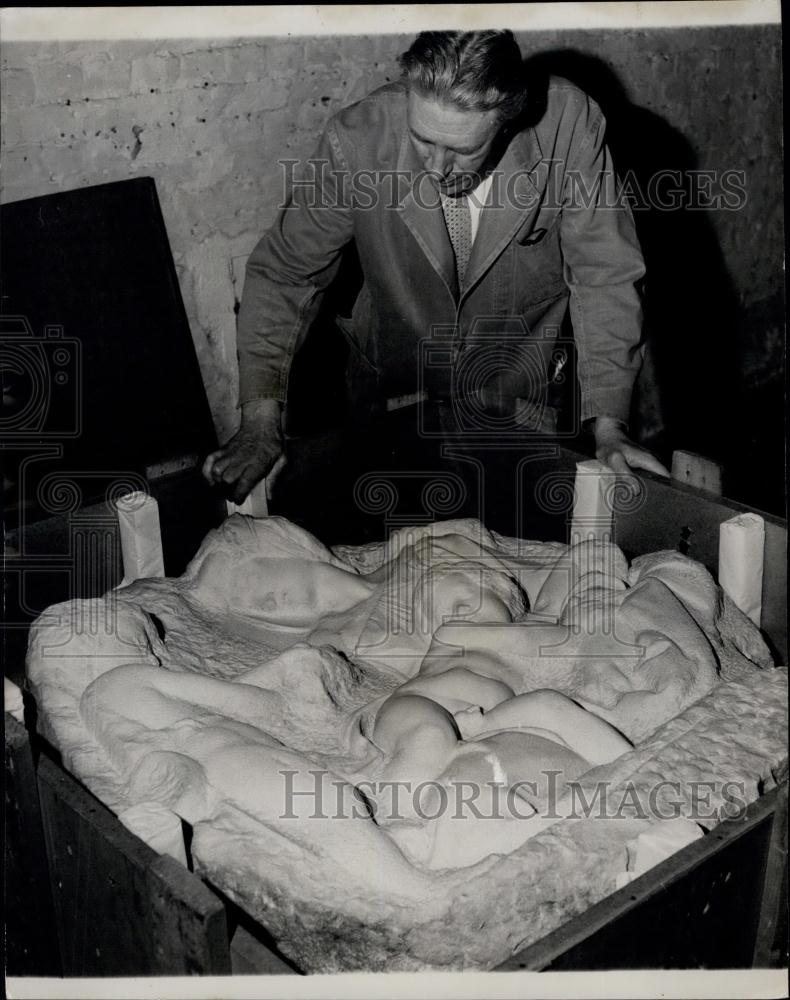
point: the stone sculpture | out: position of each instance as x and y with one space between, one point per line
275 694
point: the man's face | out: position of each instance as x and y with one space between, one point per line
453 144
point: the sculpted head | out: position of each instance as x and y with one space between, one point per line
467 592
464 87
294 593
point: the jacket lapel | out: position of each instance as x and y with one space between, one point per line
514 197
421 211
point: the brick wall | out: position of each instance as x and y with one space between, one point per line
208 120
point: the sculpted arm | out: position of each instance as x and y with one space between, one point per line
417 735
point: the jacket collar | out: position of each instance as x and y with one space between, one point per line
513 197
421 211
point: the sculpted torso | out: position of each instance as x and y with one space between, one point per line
478 649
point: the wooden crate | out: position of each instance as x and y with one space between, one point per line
31 939
109 905
101 902
120 908
715 904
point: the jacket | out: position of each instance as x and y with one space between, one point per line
554 235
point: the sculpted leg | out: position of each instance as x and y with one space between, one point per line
554 713
458 686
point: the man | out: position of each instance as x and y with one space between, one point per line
469 219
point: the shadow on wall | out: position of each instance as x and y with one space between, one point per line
684 397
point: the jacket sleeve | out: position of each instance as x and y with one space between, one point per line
289 270
602 265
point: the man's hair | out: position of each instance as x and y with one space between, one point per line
473 70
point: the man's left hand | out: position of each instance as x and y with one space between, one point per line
614 448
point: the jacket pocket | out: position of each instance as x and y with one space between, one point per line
537 265
532 238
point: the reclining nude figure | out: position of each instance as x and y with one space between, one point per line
632 655
208 738
479 752
487 693
195 742
386 617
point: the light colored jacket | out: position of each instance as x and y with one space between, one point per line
553 235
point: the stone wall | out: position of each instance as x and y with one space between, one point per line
209 120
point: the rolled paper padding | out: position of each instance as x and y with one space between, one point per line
741 553
157 826
662 840
592 513
256 504
141 538
656 844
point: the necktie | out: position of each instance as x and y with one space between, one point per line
459 226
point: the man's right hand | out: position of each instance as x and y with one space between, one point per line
250 453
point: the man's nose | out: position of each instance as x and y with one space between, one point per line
439 162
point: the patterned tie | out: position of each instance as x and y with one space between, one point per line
459 226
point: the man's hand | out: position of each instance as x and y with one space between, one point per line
615 449
250 453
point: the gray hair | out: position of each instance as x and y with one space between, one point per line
473 70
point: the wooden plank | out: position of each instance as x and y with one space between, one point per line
121 908
771 949
698 909
696 470
251 957
190 925
31 940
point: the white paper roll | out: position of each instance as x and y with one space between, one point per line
741 549
656 844
256 504
141 539
157 826
592 515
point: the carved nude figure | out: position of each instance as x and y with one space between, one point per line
633 655
473 745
